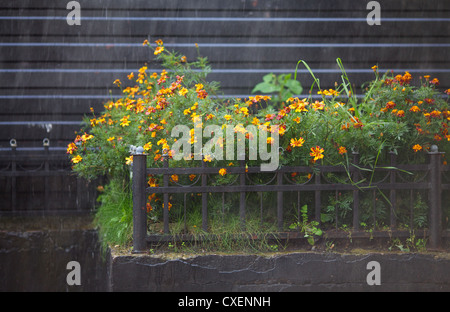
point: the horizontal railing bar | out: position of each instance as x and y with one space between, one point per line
284 169
285 188
37 173
164 238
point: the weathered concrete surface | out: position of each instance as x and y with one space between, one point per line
305 271
34 254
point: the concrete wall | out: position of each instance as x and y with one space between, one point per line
34 254
287 273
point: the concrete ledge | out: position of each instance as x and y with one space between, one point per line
306 271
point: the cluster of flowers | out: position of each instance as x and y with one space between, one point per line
308 129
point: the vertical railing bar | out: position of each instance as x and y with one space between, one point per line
298 208
166 195
223 208
242 194
280 220
204 199
374 207
393 193
411 209
317 198
336 208
261 208
355 192
184 214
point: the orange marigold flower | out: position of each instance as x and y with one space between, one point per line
435 81
390 104
297 143
417 148
414 109
223 171
174 177
342 150
435 114
401 113
317 153
129 160
158 50
159 42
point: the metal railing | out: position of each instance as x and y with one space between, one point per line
36 180
317 183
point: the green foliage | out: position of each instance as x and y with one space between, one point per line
310 229
282 87
114 216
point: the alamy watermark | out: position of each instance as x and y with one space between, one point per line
74 16
374 16
74 276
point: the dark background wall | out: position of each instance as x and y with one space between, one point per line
52 73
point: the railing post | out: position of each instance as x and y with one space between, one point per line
435 197
139 200
13 144
355 177
46 144
392 192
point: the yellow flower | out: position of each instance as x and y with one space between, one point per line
198 87
71 148
117 82
130 76
417 148
297 143
148 146
110 139
145 42
183 92
317 153
85 137
159 42
158 50
297 120
174 177
129 160
124 121
77 159
223 172
207 158
227 117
